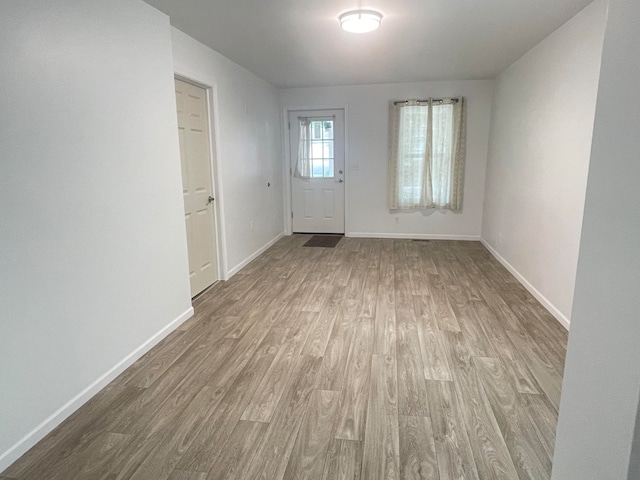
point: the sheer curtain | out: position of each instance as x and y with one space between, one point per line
426 154
303 162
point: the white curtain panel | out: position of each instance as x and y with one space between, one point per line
426 155
458 155
303 162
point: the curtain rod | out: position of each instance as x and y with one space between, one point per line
435 100
320 118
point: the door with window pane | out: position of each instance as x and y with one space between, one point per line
318 201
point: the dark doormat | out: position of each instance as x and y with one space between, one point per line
327 241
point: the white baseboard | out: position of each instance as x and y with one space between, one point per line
562 319
55 419
416 236
253 256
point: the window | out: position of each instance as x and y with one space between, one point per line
315 150
427 148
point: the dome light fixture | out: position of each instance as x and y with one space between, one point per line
360 21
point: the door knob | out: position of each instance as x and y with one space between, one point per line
210 200
340 180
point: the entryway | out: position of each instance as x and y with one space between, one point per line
316 142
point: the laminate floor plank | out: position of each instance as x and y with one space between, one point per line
412 395
418 460
334 361
418 278
527 452
93 462
273 454
384 325
544 418
444 269
553 347
381 458
242 352
238 451
519 374
344 460
355 284
268 393
324 290
502 313
467 277
547 377
402 283
257 298
206 445
490 452
163 458
450 438
318 337
424 313
434 360
353 407
369 293
436 366
386 371
379 358
162 424
309 453
185 475
470 325
442 310
143 410
386 285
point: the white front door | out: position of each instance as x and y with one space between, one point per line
195 158
318 202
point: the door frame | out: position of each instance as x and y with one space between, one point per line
288 163
218 233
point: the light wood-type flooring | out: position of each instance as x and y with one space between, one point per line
379 359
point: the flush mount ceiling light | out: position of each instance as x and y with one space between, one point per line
360 21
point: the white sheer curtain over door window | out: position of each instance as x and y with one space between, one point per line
303 161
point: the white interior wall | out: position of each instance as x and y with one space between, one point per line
602 374
367 109
541 128
93 259
248 145
634 465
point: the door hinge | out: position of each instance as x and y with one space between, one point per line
290 171
291 214
289 125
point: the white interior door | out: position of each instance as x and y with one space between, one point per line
318 202
195 158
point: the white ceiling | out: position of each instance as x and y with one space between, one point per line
299 43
